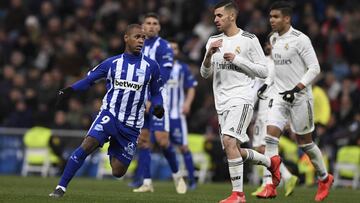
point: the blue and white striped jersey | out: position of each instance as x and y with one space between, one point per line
180 80
160 51
128 79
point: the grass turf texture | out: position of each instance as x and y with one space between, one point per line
36 189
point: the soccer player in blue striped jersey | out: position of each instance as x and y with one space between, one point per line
181 90
157 129
129 77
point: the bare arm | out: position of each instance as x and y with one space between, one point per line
190 95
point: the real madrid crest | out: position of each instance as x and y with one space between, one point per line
237 50
286 46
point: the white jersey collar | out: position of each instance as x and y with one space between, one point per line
286 33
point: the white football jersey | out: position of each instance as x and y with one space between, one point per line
231 85
295 61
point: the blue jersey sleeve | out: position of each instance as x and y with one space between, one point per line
98 72
189 80
165 59
155 85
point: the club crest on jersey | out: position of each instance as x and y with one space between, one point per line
286 46
127 85
130 149
237 50
140 72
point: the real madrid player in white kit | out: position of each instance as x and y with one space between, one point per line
258 142
235 57
296 66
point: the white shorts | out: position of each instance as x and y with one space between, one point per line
300 114
235 121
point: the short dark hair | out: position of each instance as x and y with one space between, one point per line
130 27
228 4
285 7
151 15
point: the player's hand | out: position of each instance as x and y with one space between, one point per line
260 92
63 95
229 57
214 46
289 95
158 111
186 109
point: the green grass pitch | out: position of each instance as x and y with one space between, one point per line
36 189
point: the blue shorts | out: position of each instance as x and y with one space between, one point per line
178 131
123 139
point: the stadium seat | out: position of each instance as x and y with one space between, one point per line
347 167
201 159
38 157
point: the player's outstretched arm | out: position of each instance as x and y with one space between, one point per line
94 75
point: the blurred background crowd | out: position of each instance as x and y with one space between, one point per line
46 45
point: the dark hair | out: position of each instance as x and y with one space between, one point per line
228 4
151 15
285 7
130 27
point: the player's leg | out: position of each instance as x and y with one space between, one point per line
258 143
168 149
189 164
144 161
302 124
121 151
178 136
75 161
233 133
144 157
96 137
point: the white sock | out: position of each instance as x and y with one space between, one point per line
147 181
176 175
267 178
272 146
257 158
59 186
236 168
315 155
285 173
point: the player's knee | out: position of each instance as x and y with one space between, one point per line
89 144
163 143
184 149
229 143
119 172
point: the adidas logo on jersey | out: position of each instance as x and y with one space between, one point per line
123 84
232 129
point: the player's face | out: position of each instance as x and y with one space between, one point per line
222 19
135 40
278 21
175 48
151 27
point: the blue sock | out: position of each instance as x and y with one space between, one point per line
189 164
144 163
170 156
76 160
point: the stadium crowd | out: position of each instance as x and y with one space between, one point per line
47 44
